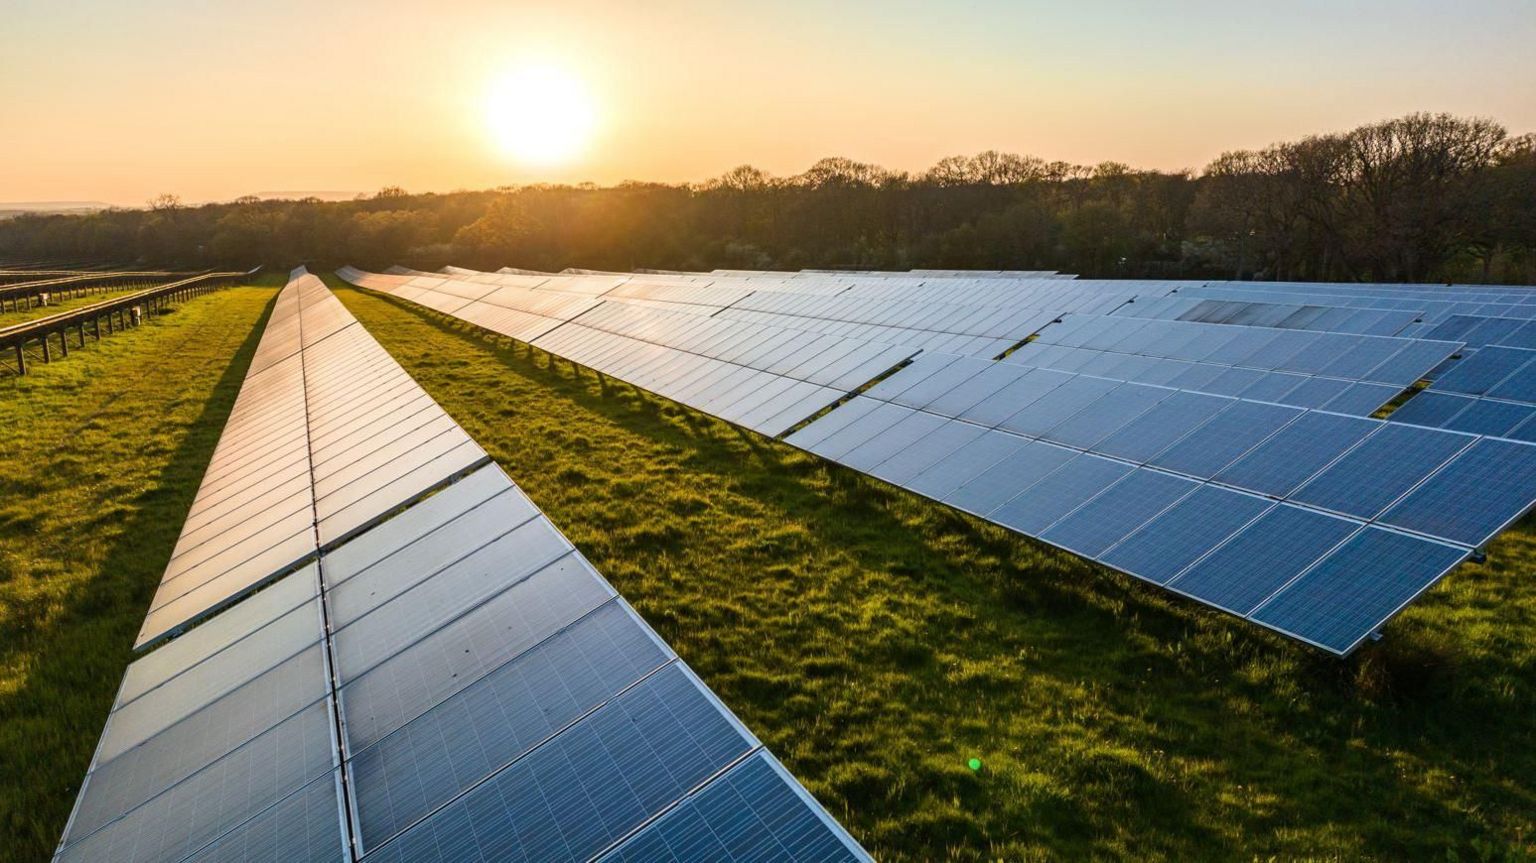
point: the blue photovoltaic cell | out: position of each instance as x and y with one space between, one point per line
1410 364
1358 587
1273 387
436 756
1057 405
1474 496
966 463
304 827
162 808
1123 507
591 784
1378 471
1232 381
1491 330
1315 392
1008 477
1362 400
1520 386
1234 431
1489 417
1175 539
1430 409
752 813
1012 398
1261 558
1059 493
1356 362
1109 414
1525 431
1290 457
1477 373
449 659
1153 431
1453 328
925 452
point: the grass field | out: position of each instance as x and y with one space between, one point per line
874 640
100 455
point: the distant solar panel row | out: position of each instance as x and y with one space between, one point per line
988 318
1377 359
762 377
1285 316
301 457
455 682
1262 510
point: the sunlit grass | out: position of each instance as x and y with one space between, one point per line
100 455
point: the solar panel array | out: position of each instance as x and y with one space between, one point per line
1134 475
1212 438
301 457
1491 391
448 679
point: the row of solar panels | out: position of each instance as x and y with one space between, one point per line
918 316
1118 438
449 680
1316 524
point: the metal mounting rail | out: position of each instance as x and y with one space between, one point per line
119 313
26 294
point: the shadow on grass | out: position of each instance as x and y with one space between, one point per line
1131 723
75 659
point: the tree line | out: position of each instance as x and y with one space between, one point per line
1426 197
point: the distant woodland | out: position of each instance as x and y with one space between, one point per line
1417 199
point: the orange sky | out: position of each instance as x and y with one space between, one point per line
120 101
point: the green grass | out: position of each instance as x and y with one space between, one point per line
64 304
100 455
874 640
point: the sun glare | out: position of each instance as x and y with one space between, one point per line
541 115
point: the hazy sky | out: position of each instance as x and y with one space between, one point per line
118 101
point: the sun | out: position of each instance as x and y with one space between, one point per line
541 115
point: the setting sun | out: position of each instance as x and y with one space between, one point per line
541 115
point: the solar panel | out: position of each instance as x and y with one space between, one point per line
965 463
1352 591
460 645
1381 469
1005 479
1480 372
1263 557
1430 409
1108 414
1490 417
412 771
923 453
1040 504
1190 528
1476 495
1158 428
1117 511
1295 453
753 812
1226 437
591 784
